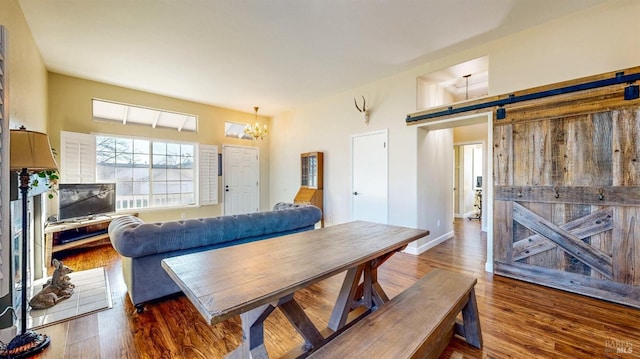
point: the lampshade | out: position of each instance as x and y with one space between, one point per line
31 150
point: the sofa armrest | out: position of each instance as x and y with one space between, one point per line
121 228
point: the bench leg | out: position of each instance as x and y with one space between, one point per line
471 319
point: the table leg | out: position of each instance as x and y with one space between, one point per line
353 294
366 298
345 298
379 297
293 311
252 346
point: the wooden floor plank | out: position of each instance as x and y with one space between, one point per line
518 319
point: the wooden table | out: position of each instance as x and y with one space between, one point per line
253 279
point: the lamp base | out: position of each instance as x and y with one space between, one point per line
25 345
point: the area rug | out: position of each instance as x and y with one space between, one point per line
91 294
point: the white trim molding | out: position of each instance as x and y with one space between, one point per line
412 248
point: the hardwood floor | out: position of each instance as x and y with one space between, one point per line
519 320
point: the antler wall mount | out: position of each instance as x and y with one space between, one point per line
363 110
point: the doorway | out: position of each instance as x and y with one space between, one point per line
370 176
432 144
241 179
468 174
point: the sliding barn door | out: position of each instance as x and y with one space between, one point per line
567 202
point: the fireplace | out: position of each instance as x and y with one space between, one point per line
36 268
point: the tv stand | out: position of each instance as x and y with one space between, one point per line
80 233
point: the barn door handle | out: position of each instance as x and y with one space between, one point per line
601 195
557 191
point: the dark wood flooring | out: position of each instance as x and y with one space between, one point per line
519 320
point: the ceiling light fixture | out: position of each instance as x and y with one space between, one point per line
256 130
466 97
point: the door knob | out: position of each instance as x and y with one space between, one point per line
355 193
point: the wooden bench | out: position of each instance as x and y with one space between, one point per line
417 323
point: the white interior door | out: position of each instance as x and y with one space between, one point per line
370 176
241 180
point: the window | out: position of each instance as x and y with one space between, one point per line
130 114
148 173
236 130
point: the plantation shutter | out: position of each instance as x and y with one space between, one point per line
77 157
208 177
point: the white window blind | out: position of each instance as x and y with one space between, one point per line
77 157
208 176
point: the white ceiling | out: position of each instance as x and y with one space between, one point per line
269 53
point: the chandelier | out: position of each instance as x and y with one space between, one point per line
256 130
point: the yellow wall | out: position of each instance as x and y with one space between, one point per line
472 133
27 75
70 110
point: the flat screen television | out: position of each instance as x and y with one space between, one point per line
85 200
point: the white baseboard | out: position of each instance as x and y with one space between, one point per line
470 214
488 266
425 247
6 334
465 215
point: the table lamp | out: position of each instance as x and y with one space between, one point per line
30 153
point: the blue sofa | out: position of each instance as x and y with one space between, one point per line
143 245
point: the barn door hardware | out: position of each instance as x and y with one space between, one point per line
631 92
601 194
556 190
